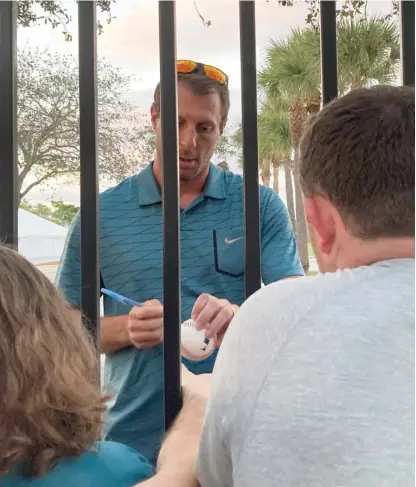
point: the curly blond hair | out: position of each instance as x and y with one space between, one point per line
50 401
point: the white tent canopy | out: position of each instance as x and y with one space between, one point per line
40 240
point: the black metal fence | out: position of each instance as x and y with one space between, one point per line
90 272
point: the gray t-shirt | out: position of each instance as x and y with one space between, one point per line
314 384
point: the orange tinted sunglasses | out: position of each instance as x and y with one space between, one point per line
187 67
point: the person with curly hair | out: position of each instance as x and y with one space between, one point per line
51 407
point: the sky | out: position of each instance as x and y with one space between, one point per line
131 42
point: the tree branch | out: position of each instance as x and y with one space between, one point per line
42 179
206 23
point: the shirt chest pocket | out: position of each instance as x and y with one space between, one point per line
229 252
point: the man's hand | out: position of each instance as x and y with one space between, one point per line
177 457
214 315
145 325
195 385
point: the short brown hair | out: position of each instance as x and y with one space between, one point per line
359 152
200 85
50 400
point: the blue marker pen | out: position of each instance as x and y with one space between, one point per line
121 299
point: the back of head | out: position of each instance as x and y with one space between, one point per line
359 152
50 402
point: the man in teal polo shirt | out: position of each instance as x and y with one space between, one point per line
212 257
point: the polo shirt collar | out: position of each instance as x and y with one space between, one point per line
215 184
149 190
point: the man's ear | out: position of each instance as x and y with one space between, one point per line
154 116
320 217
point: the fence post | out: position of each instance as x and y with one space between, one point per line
170 202
9 195
90 270
250 146
407 23
329 69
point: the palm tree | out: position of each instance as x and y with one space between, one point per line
289 75
368 52
275 138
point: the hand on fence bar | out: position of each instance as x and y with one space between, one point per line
214 315
145 325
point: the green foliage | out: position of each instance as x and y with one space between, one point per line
368 52
57 212
274 130
229 145
292 65
48 121
55 13
349 9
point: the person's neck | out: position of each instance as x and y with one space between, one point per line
189 190
362 253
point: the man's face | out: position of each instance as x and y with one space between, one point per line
200 127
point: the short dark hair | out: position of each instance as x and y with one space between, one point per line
200 85
359 152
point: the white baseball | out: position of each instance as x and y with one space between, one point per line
194 346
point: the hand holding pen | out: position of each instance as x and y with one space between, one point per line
144 322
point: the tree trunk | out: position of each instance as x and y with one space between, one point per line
265 172
276 171
289 194
301 227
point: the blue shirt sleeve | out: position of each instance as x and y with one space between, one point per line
279 253
68 277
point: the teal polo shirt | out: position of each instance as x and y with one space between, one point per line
212 261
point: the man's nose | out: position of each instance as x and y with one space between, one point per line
187 138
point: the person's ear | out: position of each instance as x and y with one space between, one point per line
320 216
154 116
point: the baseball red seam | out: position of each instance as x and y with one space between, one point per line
191 356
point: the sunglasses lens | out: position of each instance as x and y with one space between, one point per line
185 66
215 74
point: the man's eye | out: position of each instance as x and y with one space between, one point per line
206 128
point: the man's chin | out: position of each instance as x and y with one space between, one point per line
188 174
185 177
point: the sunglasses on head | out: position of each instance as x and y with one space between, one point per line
187 67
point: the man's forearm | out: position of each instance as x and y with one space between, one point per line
177 458
113 334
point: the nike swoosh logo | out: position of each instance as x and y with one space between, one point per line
229 241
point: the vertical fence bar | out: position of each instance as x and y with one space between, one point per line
407 22
8 125
170 199
250 146
90 277
329 69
